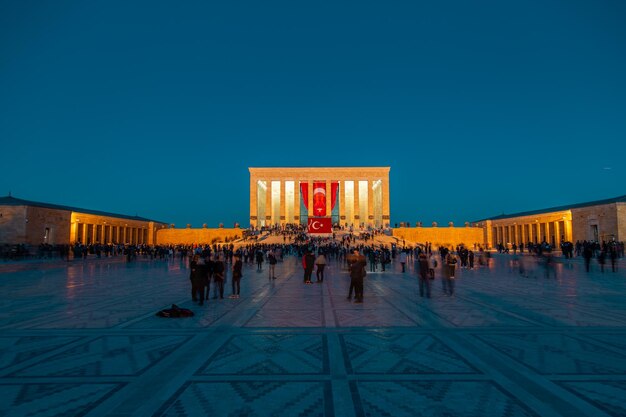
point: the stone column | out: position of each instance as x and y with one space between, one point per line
328 198
370 203
557 234
254 215
268 203
310 198
386 213
283 195
357 212
568 230
296 202
341 200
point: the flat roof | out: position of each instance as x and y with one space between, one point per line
12 201
621 199
301 168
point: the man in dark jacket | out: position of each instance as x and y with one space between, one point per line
308 262
357 273
198 278
424 276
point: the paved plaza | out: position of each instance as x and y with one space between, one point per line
82 338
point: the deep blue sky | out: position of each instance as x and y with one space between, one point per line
158 108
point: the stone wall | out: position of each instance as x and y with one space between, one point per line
610 220
196 236
12 224
56 221
441 236
26 224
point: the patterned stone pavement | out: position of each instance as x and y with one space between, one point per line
81 339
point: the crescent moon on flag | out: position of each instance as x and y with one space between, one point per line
319 191
315 226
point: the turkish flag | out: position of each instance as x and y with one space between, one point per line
319 199
320 225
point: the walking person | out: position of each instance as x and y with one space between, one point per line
198 278
219 271
271 259
613 256
357 274
432 265
236 276
403 260
587 254
424 274
308 262
602 260
450 272
259 260
321 264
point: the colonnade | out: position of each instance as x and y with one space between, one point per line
533 230
92 228
362 195
88 233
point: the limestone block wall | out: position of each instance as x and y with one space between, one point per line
57 223
33 225
12 224
609 219
191 236
441 236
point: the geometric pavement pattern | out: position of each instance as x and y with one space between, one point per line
82 338
437 398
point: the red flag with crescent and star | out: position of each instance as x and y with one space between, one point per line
319 199
320 225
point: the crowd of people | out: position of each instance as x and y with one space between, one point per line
209 265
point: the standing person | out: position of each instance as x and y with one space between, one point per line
219 270
424 274
198 277
403 259
308 262
209 266
450 271
236 277
321 264
259 260
602 259
587 254
470 257
357 273
613 256
271 259
432 261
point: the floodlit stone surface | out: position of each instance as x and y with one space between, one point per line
81 338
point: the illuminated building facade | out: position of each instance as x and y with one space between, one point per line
602 220
31 222
356 196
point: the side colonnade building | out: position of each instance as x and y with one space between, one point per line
599 221
34 223
355 196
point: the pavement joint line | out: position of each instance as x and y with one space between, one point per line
519 378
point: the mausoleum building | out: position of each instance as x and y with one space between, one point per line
356 196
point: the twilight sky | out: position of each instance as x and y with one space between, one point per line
157 108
